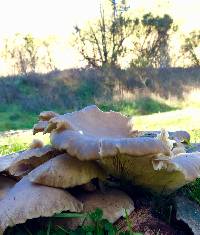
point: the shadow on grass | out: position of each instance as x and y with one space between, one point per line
140 106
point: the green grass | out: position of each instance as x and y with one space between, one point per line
13 117
140 106
185 119
19 141
98 226
193 190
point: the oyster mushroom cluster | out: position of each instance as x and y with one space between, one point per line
86 145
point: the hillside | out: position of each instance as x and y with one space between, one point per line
22 98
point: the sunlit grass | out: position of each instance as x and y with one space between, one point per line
19 141
185 119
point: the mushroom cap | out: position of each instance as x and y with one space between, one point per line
180 135
64 171
26 201
93 122
90 134
47 115
36 143
44 117
20 163
180 170
85 147
40 126
113 203
6 184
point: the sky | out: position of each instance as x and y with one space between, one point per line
57 17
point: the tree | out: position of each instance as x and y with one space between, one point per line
151 42
191 48
22 50
31 47
27 54
103 44
48 60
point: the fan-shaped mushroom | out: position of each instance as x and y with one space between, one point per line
65 171
20 163
90 134
113 203
26 201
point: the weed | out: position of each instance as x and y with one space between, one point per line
98 226
193 190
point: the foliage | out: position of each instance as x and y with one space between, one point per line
28 54
13 117
139 106
191 48
108 41
193 190
151 42
102 44
98 226
9 145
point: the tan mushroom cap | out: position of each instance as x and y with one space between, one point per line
91 134
65 172
44 117
40 127
86 147
36 143
113 203
181 169
26 201
6 184
47 115
180 135
20 163
94 122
